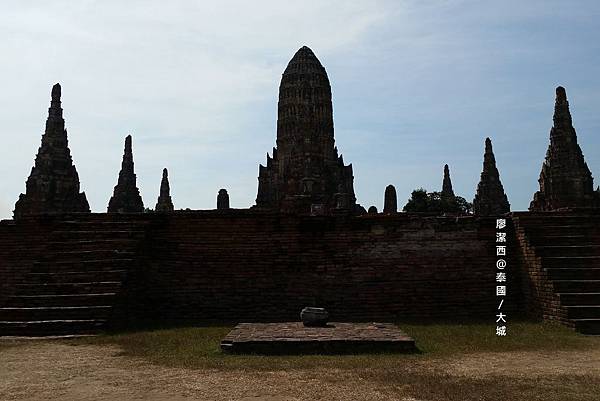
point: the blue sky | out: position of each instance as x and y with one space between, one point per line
416 84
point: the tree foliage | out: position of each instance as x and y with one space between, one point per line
434 202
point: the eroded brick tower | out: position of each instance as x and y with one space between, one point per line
565 180
53 185
305 172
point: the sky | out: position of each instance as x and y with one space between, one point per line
416 84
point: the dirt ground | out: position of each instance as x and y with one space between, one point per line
59 371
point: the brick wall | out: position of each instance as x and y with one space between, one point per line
20 245
245 265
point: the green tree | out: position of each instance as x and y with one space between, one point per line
434 202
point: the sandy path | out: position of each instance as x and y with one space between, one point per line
55 371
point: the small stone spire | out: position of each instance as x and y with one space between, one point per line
222 199
390 201
126 197
490 199
164 203
53 185
565 180
447 190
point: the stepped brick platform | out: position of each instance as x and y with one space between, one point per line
75 284
560 256
335 338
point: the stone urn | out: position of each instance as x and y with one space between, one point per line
314 317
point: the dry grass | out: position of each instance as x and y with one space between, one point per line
458 362
198 347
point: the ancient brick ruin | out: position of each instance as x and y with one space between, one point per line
565 179
164 202
222 199
126 197
305 171
447 191
490 199
306 242
390 201
53 185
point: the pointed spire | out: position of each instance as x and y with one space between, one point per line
562 115
390 201
126 197
490 199
565 180
447 190
164 203
222 199
53 185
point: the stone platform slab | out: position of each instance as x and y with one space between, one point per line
335 338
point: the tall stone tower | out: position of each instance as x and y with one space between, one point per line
164 202
53 185
565 179
126 197
490 199
305 172
447 190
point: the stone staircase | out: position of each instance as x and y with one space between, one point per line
561 252
74 288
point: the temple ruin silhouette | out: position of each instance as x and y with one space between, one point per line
306 241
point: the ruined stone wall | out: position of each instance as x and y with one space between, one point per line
260 266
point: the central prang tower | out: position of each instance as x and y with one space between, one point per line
305 173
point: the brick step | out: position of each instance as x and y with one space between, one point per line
42 328
583 312
569 250
540 221
587 326
76 276
55 313
109 264
576 285
579 298
574 273
561 240
105 224
574 229
571 261
76 244
65 235
93 254
68 288
30 301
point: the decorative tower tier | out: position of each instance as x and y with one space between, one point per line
490 199
565 180
126 197
305 173
53 185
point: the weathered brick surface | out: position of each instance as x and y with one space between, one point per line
249 265
260 266
20 245
566 245
294 337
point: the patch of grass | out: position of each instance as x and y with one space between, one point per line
448 339
198 347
